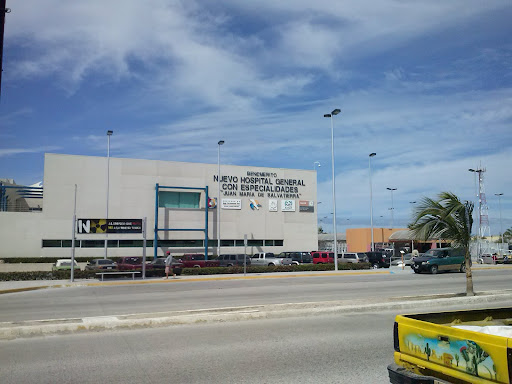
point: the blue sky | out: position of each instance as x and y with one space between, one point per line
427 85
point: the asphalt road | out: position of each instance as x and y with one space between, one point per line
185 295
342 348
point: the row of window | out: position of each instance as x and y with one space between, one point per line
161 243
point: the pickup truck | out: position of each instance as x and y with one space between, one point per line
196 260
131 263
472 346
269 259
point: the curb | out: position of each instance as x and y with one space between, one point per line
37 328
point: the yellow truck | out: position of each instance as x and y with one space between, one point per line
472 346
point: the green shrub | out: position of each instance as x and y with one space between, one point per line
45 275
66 275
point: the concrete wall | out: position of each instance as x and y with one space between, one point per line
360 239
132 196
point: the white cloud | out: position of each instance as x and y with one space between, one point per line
17 151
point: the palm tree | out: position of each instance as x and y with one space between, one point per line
447 218
507 235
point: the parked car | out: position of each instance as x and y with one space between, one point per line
234 260
131 263
408 258
64 265
486 258
159 264
440 259
352 257
196 260
269 259
100 264
322 257
298 257
378 259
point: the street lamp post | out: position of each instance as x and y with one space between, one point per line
109 133
479 172
412 241
371 195
221 142
330 115
392 208
501 226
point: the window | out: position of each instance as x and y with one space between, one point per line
112 243
232 257
93 243
269 243
278 243
239 243
51 244
227 243
255 243
178 199
180 243
129 243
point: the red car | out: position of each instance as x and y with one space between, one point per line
131 263
322 257
196 260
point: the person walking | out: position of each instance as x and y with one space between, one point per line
168 265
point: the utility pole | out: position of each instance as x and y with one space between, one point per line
3 11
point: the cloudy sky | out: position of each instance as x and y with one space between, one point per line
426 84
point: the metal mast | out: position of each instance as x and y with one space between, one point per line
484 230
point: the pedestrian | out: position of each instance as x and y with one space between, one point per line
168 265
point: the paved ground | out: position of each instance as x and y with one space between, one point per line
18 286
22 329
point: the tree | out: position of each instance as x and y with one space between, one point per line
446 218
320 229
507 235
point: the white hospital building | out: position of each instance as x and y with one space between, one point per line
274 209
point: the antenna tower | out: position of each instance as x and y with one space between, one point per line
484 230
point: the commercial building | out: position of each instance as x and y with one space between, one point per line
269 209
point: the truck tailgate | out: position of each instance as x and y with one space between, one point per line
429 344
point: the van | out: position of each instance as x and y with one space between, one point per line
440 259
322 257
298 257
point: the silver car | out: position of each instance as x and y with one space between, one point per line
269 259
353 257
408 258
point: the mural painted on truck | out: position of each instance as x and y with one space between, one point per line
463 355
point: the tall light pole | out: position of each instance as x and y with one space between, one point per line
221 142
371 195
501 226
330 115
478 171
316 164
109 133
392 208
412 241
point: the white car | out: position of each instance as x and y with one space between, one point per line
64 265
